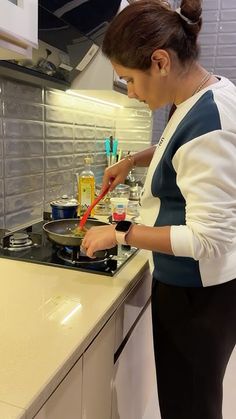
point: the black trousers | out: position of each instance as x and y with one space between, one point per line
194 333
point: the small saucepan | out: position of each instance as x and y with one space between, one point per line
61 232
64 207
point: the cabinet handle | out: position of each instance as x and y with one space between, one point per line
14 41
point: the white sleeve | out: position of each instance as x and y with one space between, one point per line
206 176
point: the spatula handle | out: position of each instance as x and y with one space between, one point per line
88 211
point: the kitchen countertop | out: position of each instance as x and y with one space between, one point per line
49 316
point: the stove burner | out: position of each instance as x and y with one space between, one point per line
19 241
74 257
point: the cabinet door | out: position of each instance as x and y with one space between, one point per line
130 309
98 363
19 22
229 402
134 386
65 402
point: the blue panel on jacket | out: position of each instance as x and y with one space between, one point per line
174 270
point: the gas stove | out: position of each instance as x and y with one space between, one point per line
31 244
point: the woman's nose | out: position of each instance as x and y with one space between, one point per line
131 93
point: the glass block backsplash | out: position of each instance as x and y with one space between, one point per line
44 137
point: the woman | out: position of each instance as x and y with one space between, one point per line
188 203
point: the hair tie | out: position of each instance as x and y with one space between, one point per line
187 20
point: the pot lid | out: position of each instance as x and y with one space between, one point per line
64 201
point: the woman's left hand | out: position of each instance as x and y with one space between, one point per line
99 238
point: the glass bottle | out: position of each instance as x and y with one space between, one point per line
86 187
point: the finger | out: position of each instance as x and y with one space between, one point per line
83 247
83 251
83 242
90 253
105 181
114 181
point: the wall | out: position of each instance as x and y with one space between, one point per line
218 47
44 137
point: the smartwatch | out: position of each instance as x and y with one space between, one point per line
121 230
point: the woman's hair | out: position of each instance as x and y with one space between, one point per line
146 25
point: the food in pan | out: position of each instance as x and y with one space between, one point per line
78 232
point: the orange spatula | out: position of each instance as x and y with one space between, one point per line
88 211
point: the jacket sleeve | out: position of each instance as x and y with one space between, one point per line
206 177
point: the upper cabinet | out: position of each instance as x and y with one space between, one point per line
18 28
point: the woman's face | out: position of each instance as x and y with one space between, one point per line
145 86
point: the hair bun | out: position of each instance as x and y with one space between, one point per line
191 13
192 10
188 21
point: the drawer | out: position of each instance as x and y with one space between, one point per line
129 310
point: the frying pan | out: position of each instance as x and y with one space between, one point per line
60 231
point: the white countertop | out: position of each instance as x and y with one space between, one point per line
48 317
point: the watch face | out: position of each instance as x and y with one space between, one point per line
123 226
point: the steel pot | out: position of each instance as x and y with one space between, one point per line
64 207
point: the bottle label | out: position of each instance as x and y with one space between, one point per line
86 194
118 212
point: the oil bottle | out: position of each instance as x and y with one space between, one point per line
86 187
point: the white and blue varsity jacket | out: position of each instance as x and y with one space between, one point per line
191 186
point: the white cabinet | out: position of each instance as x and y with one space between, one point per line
18 28
134 380
134 386
229 401
65 402
118 368
98 364
130 309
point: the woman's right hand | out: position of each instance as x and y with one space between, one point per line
116 173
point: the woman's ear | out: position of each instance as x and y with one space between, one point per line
156 59
160 58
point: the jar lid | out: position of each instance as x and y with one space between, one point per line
122 187
64 201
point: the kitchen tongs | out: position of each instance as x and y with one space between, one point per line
88 211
